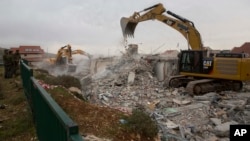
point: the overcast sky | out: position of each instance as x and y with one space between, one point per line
94 25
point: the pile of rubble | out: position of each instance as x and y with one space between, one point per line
131 84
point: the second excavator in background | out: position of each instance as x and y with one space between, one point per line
64 58
198 71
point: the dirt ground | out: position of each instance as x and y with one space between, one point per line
15 118
95 120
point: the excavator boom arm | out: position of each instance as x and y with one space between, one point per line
187 30
78 51
182 25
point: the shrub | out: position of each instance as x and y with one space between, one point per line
68 81
63 80
140 122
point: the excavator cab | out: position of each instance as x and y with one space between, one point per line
195 61
190 61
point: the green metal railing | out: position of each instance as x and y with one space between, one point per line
52 123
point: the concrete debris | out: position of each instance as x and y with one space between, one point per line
132 82
131 78
75 90
183 102
222 130
171 125
216 121
212 138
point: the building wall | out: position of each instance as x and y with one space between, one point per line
166 68
32 55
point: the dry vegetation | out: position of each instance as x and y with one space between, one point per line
103 122
16 120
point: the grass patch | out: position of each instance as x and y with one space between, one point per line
1 91
17 99
16 121
17 126
59 90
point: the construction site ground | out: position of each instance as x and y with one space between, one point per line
130 83
96 123
127 84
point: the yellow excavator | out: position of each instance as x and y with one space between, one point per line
64 58
198 72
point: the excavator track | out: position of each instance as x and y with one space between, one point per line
197 87
174 81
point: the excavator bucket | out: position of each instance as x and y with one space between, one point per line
128 27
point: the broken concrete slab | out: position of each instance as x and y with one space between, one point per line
205 97
222 130
216 121
181 102
220 112
174 92
181 109
74 89
131 78
170 124
212 138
